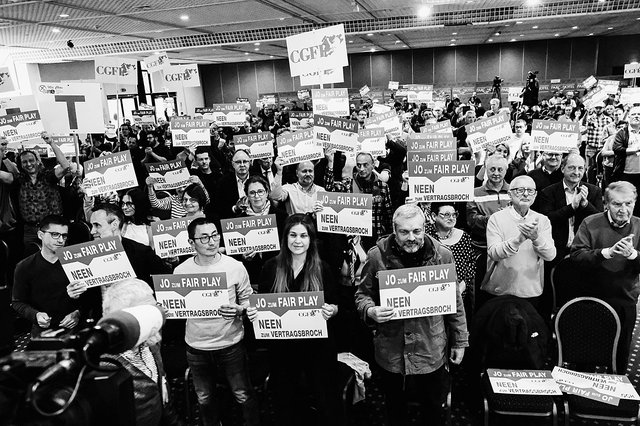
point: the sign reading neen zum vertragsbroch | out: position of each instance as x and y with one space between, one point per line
523 382
169 174
349 214
192 295
488 131
289 315
109 173
259 145
252 233
170 237
336 133
321 49
229 115
296 147
419 292
21 126
96 263
441 181
190 131
554 136
333 102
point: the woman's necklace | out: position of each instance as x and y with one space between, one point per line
446 236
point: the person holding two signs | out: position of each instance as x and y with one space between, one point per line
298 268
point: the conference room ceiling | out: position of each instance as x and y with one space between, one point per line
216 31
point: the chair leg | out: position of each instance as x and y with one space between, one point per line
187 394
554 414
486 411
567 417
448 409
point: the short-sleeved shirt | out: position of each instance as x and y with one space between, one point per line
41 198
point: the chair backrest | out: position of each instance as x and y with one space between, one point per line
588 330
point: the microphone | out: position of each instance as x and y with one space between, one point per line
123 330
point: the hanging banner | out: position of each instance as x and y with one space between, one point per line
419 292
189 131
289 315
321 49
334 102
523 382
159 62
170 237
250 234
71 107
488 131
554 136
315 78
192 295
389 120
7 83
336 133
348 214
96 263
259 145
296 147
176 77
300 120
169 174
143 116
441 181
109 173
121 71
373 141
22 126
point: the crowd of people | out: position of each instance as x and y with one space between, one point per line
530 211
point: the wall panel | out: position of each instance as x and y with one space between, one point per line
401 67
488 61
423 66
511 61
360 70
381 69
558 54
444 65
466 63
230 88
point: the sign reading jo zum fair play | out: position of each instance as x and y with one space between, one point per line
109 173
251 233
170 237
336 133
441 181
419 292
289 315
296 147
192 295
315 50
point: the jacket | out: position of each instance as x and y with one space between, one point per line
620 145
414 345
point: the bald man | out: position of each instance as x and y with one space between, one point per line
518 242
301 196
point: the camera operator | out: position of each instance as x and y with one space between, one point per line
531 90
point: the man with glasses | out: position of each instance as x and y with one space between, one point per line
39 289
215 345
518 242
548 174
230 197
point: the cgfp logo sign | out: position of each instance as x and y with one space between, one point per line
181 75
123 70
186 75
116 70
317 50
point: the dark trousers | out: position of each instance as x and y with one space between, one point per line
428 390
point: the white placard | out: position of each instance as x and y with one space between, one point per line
349 214
71 107
523 382
333 102
632 70
514 94
192 295
321 49
159 62
322 77
121 71
109 173
178 76
289 315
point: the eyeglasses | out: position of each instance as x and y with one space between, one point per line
204 239
522 191
258 193
127 204
239 162
553 154
57 235
189 200
448 215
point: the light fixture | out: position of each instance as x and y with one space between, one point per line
184 17
271 56
64 15
246 53
575 27
497 33
350 41
518 22
590 34
452 44
282 19
369 34
535 27
490 40
55 30
556 35
373 49
532 3
256 49
513 39
454 33
610 28
257 43
521 35
424 11
453 39
397 41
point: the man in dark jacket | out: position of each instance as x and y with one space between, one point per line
626 149
411 351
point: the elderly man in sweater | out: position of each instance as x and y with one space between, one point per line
518 242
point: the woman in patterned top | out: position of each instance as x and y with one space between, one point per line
443 229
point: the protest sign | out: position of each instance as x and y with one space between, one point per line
169 174
606 388
71 107
610 86
555 136
190 131
590 82
442 127
176 77
109 69
109 173
250 234
630 95
303 94
259 145
594 96
488 131
7 80
632 70
349 214
514 94
393 85
419 93
419 292
333 102
229 115
364 90
320 49
389 120
431 142
289 315
336 133
523 382
377 109
143 116
96 263
21 126
170 237
159 62
300 120
299 146
192 295
373 141
432 156
67 145
441 181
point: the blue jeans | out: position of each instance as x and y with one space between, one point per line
231 363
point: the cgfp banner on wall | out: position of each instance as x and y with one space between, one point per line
116 70
321 49
75 107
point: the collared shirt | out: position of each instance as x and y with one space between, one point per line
570 194
40 198
595 131
240 183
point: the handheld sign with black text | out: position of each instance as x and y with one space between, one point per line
289 315
170 237
373 141
296 147
606 388
229 115
259 145
441 181
488 131
21 126
169 174
331 102
192 295
419 292
336 133
389 120
188 131
97 262
555 136
523 382
251 233
109 173
349 214
67 144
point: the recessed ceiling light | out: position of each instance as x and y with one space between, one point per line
257 43
64 15
454 33
282 19
397 41
556 35
513 39
424 12
246 53
256 49
271 56
248 59
498 33
518 22
601 1
535 27
350 41
610 28
453 39
404 45
184 17
452 44
521 35
490 39
575 27
590 34
637 19
55 30
532 3
370 35
157 52
469 1
373 49
507 25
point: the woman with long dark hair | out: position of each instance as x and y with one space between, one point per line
136 209
301 366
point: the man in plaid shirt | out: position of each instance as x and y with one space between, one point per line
365 181
596 124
